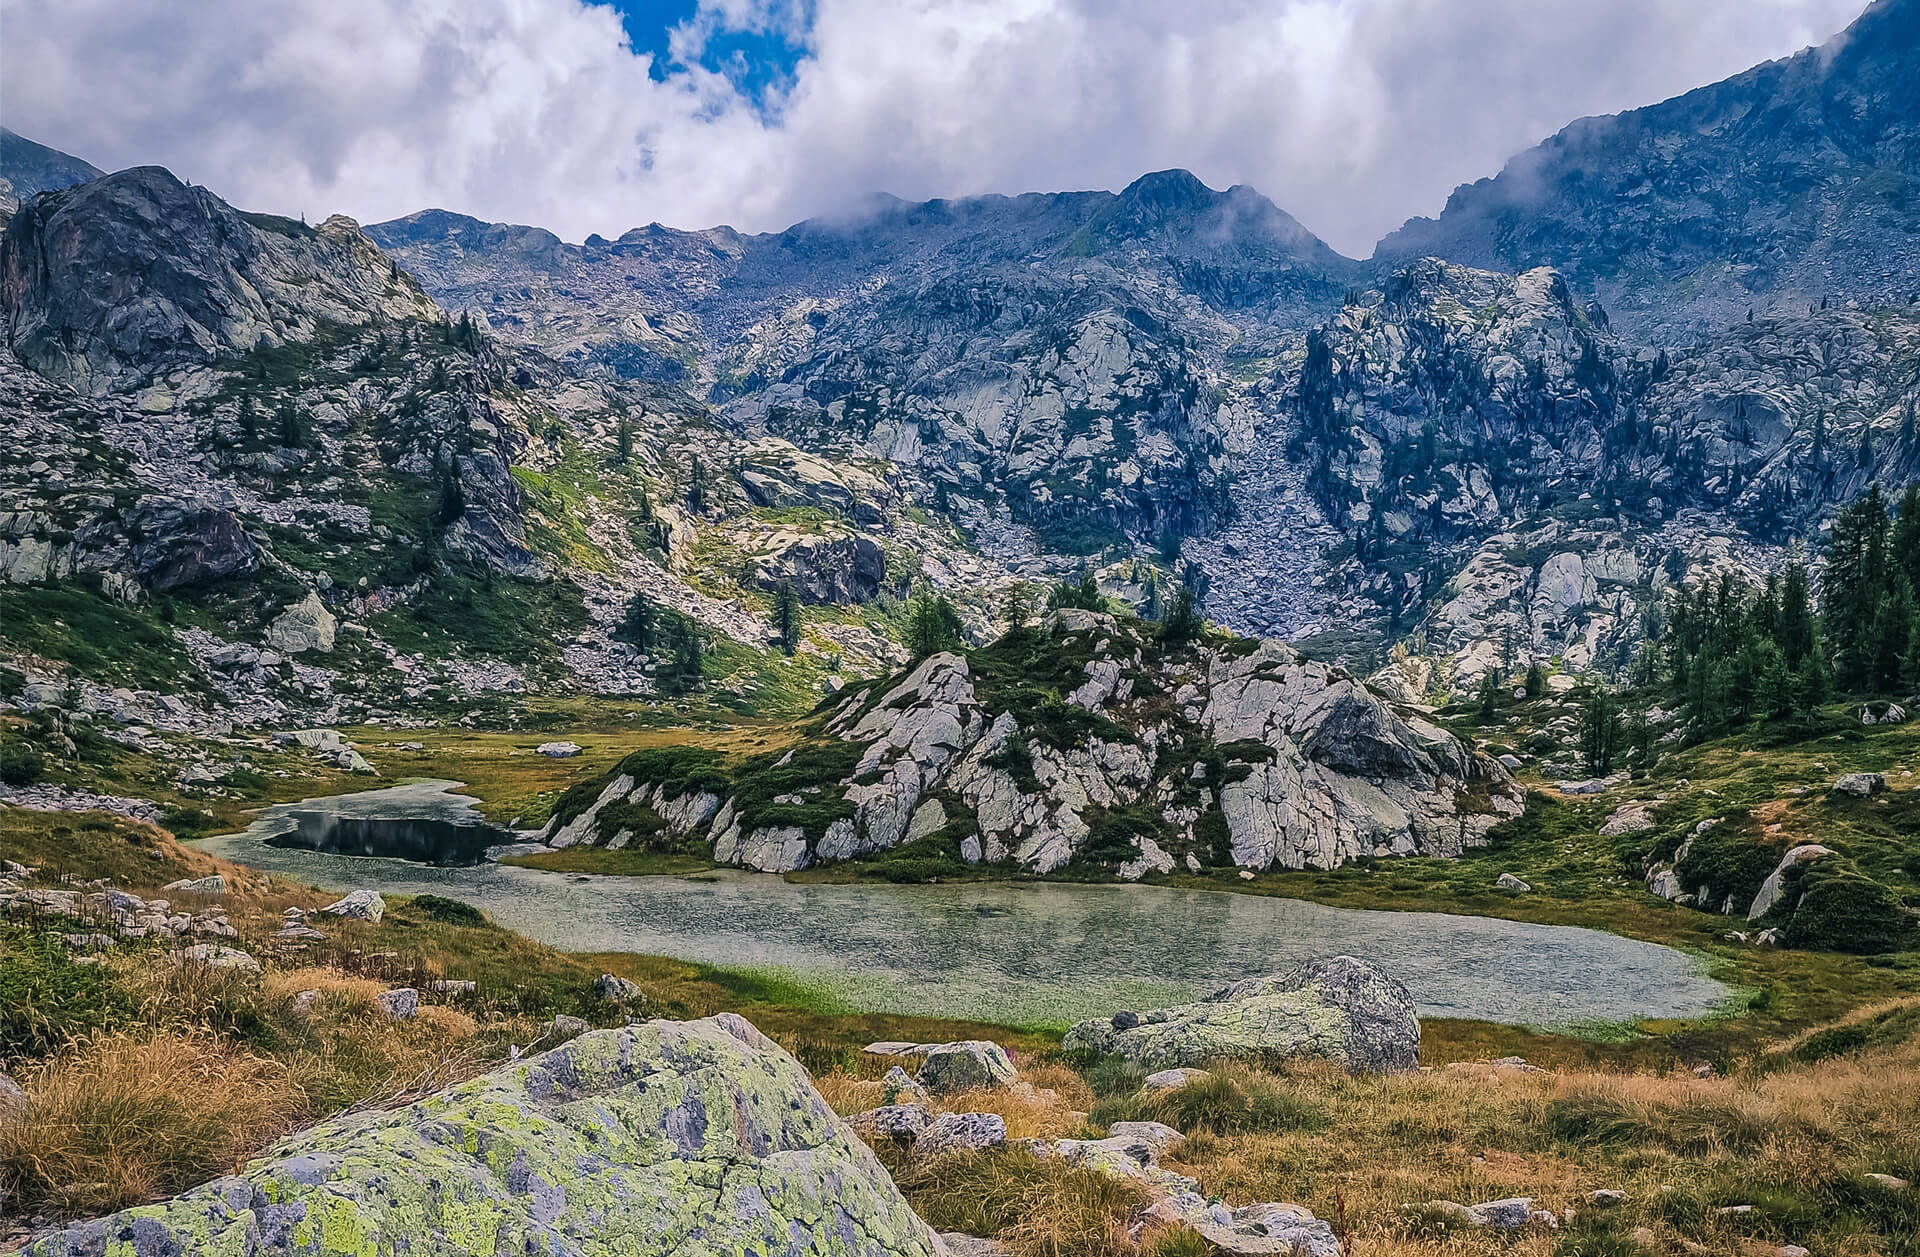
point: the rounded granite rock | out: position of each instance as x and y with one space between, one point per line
668 1139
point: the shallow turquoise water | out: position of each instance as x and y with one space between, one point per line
1021 953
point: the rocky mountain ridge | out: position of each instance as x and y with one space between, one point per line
1784 187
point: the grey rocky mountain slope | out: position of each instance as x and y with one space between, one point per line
123 276
27 168
218 418
1054 362
1794 182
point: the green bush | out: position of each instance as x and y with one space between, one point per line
1726 862
449 911
20 763
1836 907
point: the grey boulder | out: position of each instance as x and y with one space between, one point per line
963 1066
1338 1009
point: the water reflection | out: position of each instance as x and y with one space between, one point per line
442 843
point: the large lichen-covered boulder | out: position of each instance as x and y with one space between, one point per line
1339 1009
689 1139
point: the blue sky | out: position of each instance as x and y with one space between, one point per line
753 55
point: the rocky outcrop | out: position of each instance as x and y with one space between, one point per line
1112 767
1341 1010
181 543
668 1138
824 570
1775 885
108 282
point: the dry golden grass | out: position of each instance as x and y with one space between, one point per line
119 1119
1034 1206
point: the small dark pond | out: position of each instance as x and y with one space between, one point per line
444 844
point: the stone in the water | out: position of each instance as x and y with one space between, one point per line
656 1140
1339 1009
963 1066
361 905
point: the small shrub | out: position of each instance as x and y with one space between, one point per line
46 999
449 911
1034 1207
1838 908
1177 1244
20 763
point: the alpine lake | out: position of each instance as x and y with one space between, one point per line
1026 953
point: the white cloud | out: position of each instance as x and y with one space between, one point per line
1351 114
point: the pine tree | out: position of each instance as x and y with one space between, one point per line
932 625
623 441
1083 594
641 625
1488 697
1599 733
1536 683
249 420
453 500
1795 626
1856 581
1903 545
1183 623
293 427
786 616
1017 608
1641 746
1893 624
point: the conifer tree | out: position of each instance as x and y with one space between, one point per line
786 616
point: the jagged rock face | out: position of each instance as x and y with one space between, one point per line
177 544
112 280
1144 758
823 570
1340 1009
1345 776
668 1138
1778 187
